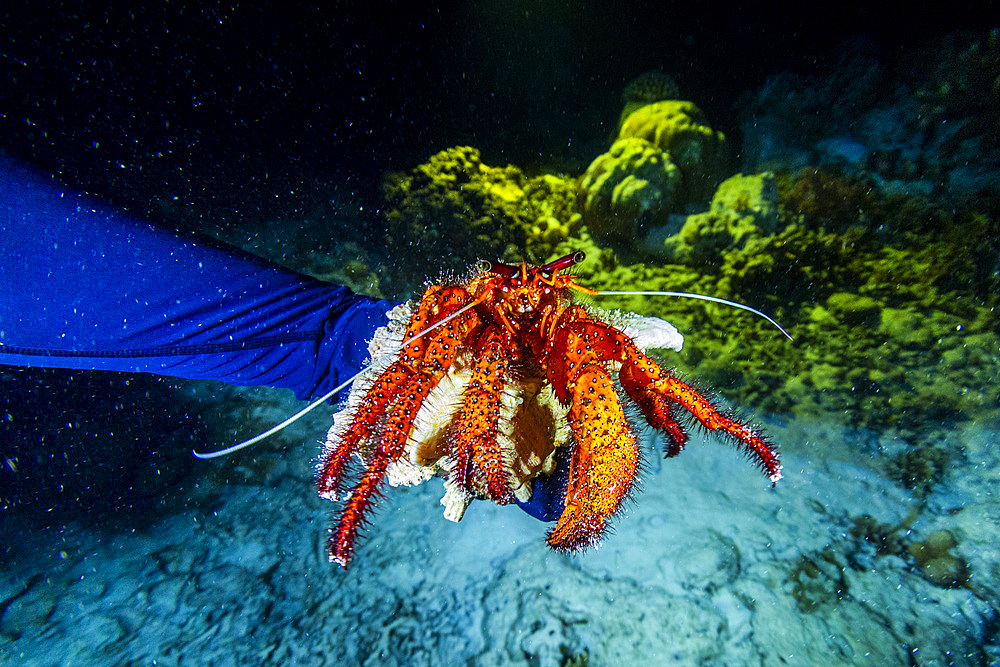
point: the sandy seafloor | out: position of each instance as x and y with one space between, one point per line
705 567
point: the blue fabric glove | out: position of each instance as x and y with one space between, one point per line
548 491
87 287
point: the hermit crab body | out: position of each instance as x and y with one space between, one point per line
495 378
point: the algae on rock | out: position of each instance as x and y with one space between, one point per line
874 288
648 87
680 128
664 159
627 190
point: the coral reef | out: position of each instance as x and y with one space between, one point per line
627 190
818 580
824 578
664 159
743 208
963 88
933 556
919 468
648 87
852 271
681 129
453 210
852 262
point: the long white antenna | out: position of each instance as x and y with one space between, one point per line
323 399
689 295
274 429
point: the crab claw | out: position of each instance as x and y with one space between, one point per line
604 463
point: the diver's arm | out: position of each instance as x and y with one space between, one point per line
83 286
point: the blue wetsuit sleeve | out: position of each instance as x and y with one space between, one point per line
84 286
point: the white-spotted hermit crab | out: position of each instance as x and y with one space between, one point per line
488 382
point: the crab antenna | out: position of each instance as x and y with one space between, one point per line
714 299
323 399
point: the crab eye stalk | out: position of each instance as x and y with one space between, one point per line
505 270
564 262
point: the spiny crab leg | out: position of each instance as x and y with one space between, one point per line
421 366
604 462
605 456
476 448
390 447
376 399
657 392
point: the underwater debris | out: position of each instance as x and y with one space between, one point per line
936 561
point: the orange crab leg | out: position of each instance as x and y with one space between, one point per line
656 391
604 462
376 400
474 435
391 447
606 457
335 461
424 363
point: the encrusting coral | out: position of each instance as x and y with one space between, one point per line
743 208
936 561
648 87
665 158
854 271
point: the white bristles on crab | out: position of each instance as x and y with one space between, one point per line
455 500
512 399
425 455
437 411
